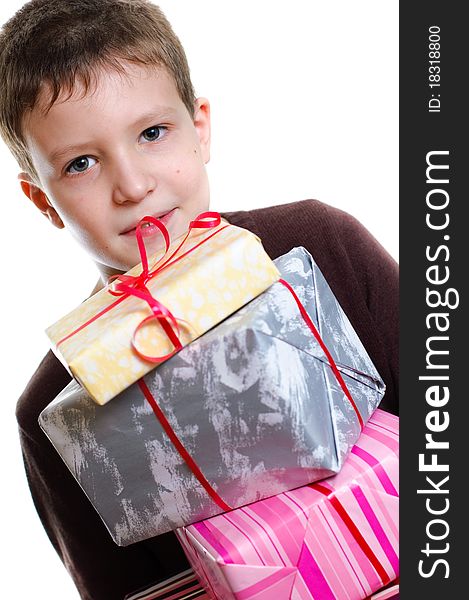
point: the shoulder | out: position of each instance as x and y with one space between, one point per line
309 223
48 380
339 243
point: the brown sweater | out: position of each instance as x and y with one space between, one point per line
365 280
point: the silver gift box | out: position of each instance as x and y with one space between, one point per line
254 402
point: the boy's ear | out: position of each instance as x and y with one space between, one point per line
39 199
202 125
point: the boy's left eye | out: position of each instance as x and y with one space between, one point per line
153 133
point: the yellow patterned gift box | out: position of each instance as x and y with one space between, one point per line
120 333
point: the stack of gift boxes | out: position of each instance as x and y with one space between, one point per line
228 397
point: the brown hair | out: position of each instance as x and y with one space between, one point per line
57 42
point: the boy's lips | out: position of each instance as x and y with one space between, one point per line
150 229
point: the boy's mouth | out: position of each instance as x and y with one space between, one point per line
149 229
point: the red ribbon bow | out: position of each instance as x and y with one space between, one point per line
124 286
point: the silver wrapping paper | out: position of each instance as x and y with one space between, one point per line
254 401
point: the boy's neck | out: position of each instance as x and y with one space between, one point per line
104 274
99 286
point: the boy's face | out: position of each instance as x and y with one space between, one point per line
125 150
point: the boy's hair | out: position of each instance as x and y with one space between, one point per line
59 42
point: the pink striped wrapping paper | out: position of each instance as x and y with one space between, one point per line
186 586
332 540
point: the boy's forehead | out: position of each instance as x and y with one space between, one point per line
110 77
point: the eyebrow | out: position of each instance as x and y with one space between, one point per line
60 153
159 114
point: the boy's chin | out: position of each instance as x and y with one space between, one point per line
130 256
119 267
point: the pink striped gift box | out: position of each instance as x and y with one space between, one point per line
186 586
332 540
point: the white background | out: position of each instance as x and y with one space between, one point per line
304 101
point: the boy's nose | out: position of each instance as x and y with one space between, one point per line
132 184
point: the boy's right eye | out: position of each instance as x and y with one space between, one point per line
80 165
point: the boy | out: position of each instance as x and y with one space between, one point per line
98 108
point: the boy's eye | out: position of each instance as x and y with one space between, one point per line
153 133
80 164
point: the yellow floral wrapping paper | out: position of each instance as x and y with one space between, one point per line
202 289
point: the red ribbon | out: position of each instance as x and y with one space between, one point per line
180 447
358 537
191 462
320 341
136 285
